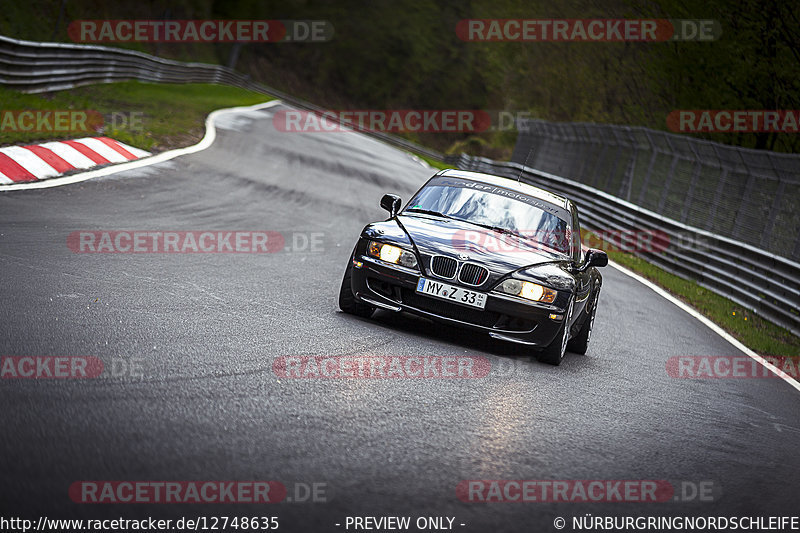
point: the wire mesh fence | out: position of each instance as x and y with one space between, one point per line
752 196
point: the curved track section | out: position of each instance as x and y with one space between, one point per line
205 330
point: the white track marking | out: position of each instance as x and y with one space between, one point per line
102 149
30 161
715 328
69 154
207 141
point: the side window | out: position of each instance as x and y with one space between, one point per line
576 236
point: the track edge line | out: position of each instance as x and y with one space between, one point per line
709 323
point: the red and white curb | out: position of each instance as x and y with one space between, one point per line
20 164
208 140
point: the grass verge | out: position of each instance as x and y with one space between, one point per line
154 117
755 332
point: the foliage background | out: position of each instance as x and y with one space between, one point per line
405 54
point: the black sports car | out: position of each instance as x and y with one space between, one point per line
485 252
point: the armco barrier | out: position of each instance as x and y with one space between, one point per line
763 282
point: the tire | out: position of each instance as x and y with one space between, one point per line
347 301
580 343
554 353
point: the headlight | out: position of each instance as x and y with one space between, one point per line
528 290
392 254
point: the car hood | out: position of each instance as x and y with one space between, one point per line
500 253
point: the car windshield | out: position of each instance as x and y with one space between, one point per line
492 210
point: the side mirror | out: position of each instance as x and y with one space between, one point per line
391 202
594 258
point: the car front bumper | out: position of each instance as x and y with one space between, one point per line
393 288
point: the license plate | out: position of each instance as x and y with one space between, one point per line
451 293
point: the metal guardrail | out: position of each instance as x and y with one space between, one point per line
34 67
766 283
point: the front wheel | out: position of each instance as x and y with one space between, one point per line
580 343
554 353
347 301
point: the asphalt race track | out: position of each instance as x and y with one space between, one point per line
192 339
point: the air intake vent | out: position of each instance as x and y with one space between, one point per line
473 274
444 267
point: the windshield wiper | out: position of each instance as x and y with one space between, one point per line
551 250
426 212
500 230
487 226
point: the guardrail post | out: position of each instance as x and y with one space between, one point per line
665 187
796 251
687 202
614 166
598 164
584 147
743 206
59 19
712 213
650 166
773 212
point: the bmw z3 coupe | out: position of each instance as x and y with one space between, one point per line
483 252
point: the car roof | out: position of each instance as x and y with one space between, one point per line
509 183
